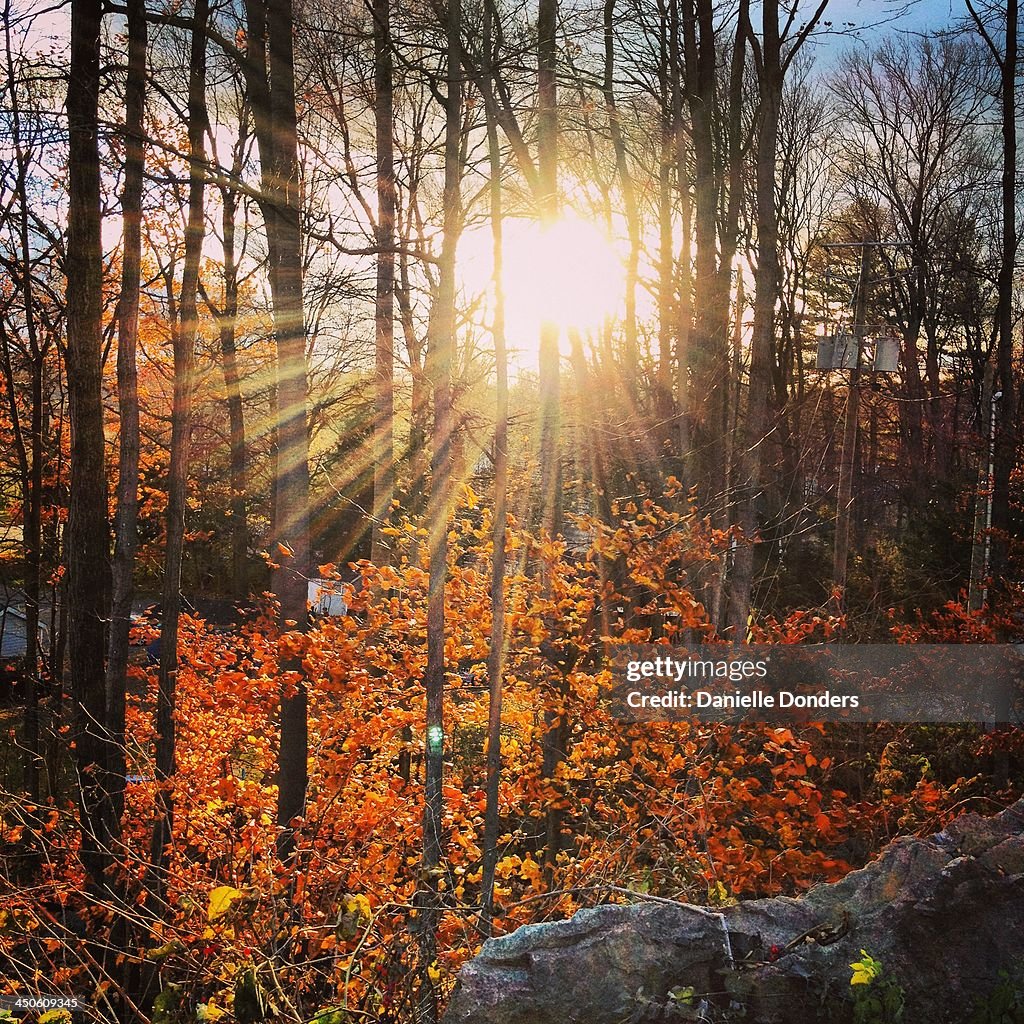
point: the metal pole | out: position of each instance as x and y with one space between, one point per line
844 497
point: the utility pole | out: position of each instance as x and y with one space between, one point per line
831 357
844 498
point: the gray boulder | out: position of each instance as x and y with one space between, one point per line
944 915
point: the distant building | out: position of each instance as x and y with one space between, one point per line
325 598
14 633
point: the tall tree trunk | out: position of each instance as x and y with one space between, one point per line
496 658
126 516
59 616
88 530
708 352
183 338
733 178
666 253
550 369
30 470
684 317
771 56
716 236
1007 428
293 445
419 399
26 478
271 75
547 174
766 291
227 330
384 316
631 358
33 567
441 356
912 410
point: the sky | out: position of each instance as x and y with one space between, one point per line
867 21
868 18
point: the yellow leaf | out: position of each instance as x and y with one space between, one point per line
220 901
359 905
530 870
865 970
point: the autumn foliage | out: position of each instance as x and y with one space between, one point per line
686 811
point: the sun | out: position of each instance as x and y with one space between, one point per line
568 273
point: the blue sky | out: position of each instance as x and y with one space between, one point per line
869 20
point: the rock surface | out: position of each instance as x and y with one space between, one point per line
944 915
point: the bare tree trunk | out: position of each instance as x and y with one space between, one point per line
32 534
183 338
59 618
384 390
1006 437
271 75
292 524
716 237
227 328
766 290
88 529
1007 427
31 740
547 173
30 470
632 353
441 356
771 60
419 399
666 253
550 369
496 659
708 353
913 410
33 567
684 318
126 516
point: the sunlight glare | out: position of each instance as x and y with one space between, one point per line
569 274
